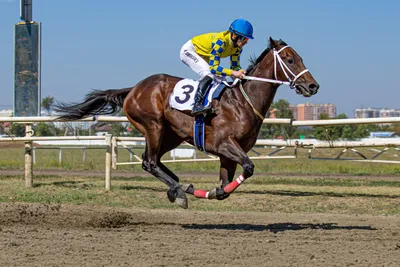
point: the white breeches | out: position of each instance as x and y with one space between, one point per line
193 60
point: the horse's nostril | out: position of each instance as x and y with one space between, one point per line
314 87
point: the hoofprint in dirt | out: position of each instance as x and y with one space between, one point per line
66 235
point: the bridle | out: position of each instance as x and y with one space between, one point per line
285 68
288 73
277 59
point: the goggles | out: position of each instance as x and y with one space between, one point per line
243 38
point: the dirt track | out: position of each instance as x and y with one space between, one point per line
43 235
387 177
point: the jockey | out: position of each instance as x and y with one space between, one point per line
203 53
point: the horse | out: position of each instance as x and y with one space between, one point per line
229 133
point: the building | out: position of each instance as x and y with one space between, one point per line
6 113
383 135
376 113
309 111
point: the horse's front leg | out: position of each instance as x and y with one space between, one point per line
226 174
231 154
232 151
226 171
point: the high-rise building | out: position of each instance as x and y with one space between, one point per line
309 111
376 112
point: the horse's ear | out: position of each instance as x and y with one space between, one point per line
272 42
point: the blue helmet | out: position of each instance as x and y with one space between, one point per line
242 27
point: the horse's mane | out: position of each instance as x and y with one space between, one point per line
254 62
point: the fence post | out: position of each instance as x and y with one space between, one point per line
108 138
28 157
114 149
34 155
60 156
84 155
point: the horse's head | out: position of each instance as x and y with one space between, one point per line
288 66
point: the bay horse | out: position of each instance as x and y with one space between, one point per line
229 133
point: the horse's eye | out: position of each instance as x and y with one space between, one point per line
290 61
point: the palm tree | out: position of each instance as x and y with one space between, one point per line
47 103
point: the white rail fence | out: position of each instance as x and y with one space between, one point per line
111 142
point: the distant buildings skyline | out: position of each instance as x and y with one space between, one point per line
309 111
376 112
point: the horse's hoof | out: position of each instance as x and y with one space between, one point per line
212 194
220 194
178 196
171 195
182 202
188 188
181 198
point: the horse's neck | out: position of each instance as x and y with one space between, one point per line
261 94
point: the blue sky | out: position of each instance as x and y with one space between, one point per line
351 47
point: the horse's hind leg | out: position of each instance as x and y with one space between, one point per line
151 163
169 142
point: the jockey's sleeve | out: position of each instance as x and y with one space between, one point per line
215 59
235 60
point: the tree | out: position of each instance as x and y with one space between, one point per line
42 129
18 129
45 129
345 132
329 132
47 103
281 110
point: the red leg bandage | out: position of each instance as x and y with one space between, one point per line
229 188
200 193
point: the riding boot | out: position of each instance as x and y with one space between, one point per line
198 106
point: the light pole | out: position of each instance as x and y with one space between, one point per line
26 10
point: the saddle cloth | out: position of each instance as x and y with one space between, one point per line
182 97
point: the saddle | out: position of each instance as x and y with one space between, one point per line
182 98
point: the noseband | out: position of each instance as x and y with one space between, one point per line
285 68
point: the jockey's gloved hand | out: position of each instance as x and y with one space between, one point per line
238 73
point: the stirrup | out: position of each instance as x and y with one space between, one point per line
202 110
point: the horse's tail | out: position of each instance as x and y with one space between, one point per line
97 102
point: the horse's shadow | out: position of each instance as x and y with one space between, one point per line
276 227
308 193
278 192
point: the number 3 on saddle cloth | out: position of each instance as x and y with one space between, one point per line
182 98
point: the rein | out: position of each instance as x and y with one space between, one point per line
285 69
249 101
